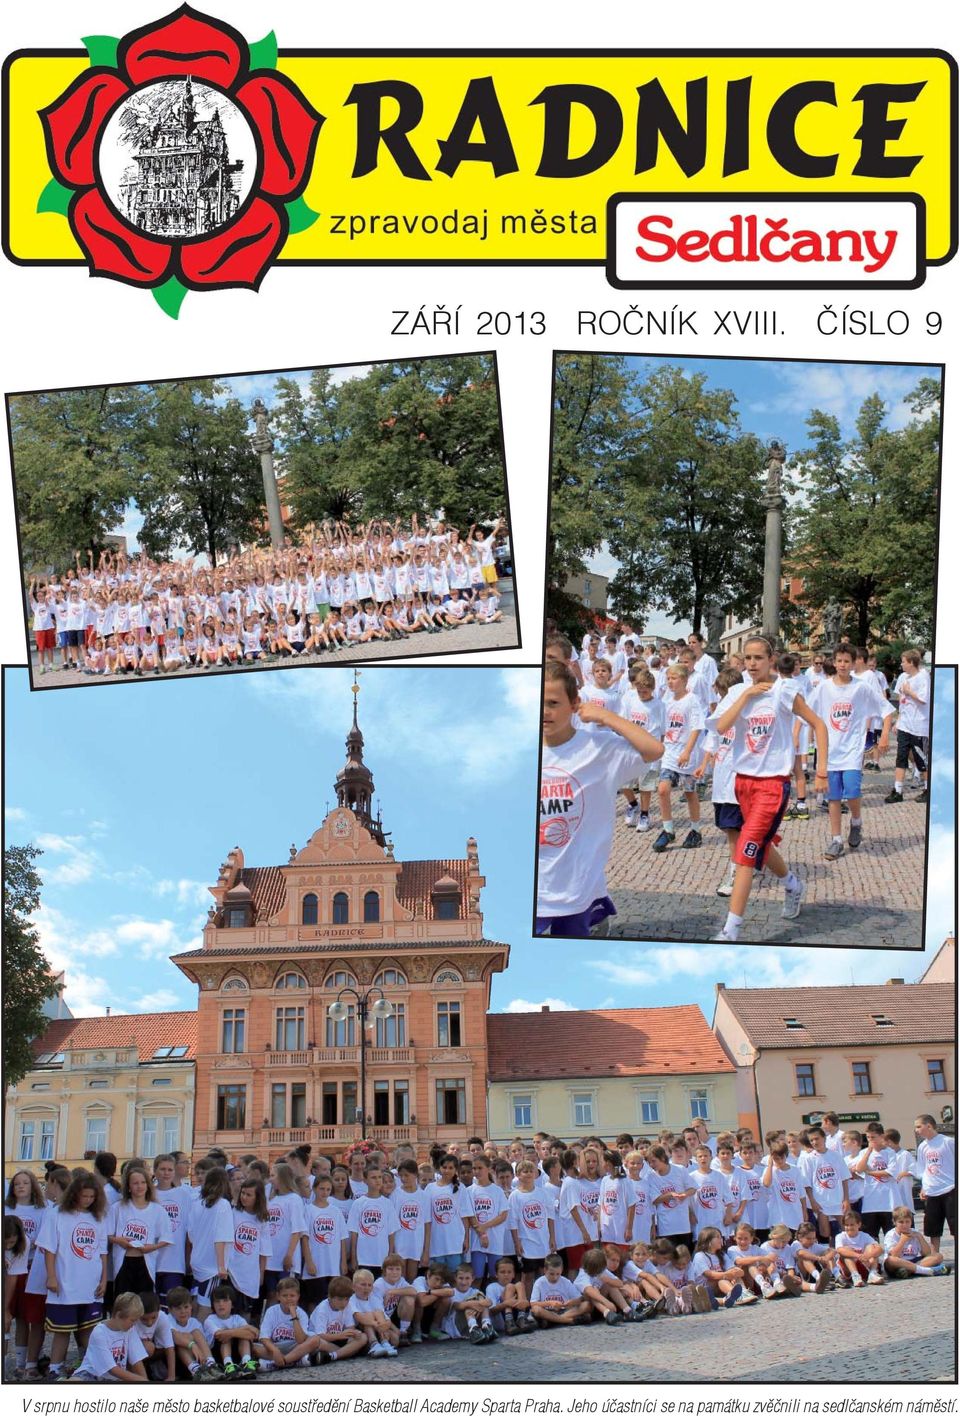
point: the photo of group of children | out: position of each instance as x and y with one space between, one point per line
256 1267
161 533
341 588
757 732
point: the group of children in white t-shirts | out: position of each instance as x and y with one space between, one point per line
745 728
242 1273
341 587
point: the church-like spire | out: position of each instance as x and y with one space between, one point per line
354 784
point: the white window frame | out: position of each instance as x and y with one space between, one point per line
48 1132
149 1123
170 1126
528 1100
654 1094
578 1098
96 1118
707 1092
28 1133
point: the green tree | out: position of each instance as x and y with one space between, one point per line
74 461
200 484
865 530
594 433
685 522
409 436
29 979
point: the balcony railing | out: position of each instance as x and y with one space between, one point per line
289 1059
333 1056
317 1134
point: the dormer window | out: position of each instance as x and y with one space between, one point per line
237 908
236 917
445 897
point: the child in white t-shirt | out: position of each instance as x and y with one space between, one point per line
906 1252
153 1330
640 705
469 1313
286 1338
601 691
114 1352
718 759
783 1250
683 727
761 714
554 1298
369 1316
230 1335
334 1325
756 1267
814 1260
581 772
192 1348
859 1257
721 1279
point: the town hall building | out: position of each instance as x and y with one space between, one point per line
399 945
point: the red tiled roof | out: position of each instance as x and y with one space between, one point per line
842 1016
603 1042
268 888
415 882
418 877
148 1030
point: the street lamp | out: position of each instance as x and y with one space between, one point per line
367 1015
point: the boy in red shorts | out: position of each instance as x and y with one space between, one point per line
761 714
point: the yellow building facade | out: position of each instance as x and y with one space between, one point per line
606 1071
123 1084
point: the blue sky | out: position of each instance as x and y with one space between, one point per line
774 399
137 795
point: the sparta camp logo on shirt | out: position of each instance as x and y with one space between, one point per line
759 730
83 1241
245 1238
442 1209
708 1196
408 1215
371 1220
840 715
825 1177
323 1228
532 1213
675 726
561 807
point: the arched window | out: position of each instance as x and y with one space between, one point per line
291 980
341 908
308 909
234 984
340 979
390 978
448 976
371 907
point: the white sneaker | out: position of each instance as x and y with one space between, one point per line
375 1350
857 1281
874 1277
725 888
389 1350
724 938
643 823
778 1286
631 816
792 900
767 1289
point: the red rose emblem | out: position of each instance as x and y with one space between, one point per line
181 159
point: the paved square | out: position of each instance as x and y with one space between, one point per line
870 898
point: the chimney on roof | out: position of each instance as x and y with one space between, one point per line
720 987
108 1010
895 980
544 1007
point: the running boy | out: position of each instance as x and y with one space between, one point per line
846 705
581 773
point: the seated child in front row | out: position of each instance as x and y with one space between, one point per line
858 1256
333 1323
153 1330
230 1335
602 1289
469 1313
510 1311
397 1297
554 1298
369 1316
434 1292
907 1252
284 1337
115 1352
191 1346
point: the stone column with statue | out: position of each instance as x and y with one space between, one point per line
774 502
262 441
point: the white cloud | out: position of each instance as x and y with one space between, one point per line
155 938
63 942
523 1005
187 892
77 864
941 874
160 1001
84 994
840 389
14 813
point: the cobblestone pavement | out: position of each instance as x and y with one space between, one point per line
896 1333
465 640
869 898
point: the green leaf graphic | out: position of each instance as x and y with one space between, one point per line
102 49
263 54
301 216
55 197
169 296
